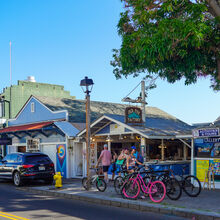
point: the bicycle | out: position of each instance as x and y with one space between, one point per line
132 187
99 182
189 183
173 187
119 181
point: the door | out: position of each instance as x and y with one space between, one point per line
78 159
50 150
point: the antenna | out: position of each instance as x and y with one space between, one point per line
10 65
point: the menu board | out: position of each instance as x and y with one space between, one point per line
201 167
92 155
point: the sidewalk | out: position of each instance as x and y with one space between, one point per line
206 206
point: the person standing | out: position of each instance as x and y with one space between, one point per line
113 166
121 160
131 161
106 158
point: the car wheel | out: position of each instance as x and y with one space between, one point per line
17 179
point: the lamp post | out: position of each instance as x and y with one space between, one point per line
87 85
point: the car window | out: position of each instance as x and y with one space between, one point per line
19 159
37 159
7 157
13 158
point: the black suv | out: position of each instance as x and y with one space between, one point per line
26 166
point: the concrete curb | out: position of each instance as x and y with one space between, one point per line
135 205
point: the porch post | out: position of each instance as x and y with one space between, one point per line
162 150
109 145
192 156
185 152
143 148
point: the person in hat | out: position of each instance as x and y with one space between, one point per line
105 157
134 159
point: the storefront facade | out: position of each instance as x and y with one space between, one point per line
38 129
207 153
159 142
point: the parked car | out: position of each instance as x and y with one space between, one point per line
27 166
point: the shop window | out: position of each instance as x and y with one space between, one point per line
1 109
207 150
22 149
33 145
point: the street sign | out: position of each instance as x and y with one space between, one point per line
5 141
206 132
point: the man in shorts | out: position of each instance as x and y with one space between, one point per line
106 158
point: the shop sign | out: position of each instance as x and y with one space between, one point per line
212 140
201 167
133 115
206 132
5 141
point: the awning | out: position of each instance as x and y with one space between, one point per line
35 126
67 128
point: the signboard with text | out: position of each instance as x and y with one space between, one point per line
133 115
206 132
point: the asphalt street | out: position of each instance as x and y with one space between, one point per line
25 205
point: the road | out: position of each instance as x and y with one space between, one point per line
16 204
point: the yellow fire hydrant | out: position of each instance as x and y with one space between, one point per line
58 180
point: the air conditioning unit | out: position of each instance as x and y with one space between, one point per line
33 145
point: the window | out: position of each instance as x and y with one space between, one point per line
7 157
19 159
1 109
33 159
32 107
13 158
33 145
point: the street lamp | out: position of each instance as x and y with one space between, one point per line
87 85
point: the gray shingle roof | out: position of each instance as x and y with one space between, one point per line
159 126
156 118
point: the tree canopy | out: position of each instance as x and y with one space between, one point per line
174 39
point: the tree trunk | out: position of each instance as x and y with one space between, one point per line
215 7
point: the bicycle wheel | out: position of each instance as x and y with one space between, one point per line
118 183
173 187
157 191
101 185
191 186
86 184
131 189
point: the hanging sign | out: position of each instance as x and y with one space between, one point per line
206 132
133 115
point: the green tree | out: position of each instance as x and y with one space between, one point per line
174 39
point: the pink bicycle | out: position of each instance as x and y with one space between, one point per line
135 183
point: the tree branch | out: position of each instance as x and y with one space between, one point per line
215 6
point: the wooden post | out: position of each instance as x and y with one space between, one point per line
185 152
162 150
192 156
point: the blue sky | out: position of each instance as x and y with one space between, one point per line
61 42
